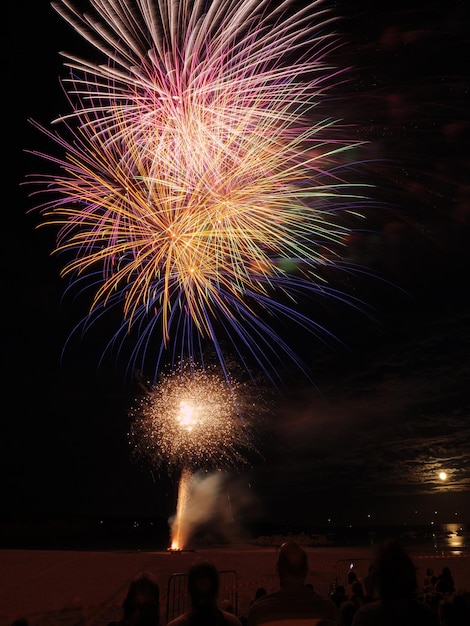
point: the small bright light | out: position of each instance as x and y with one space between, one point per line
187 416
442 475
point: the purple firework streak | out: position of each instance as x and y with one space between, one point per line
202 193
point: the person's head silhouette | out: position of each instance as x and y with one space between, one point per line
292 564
203 585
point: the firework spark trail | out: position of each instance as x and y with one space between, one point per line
197 163
179 530
197 501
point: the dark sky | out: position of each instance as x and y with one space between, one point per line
389 406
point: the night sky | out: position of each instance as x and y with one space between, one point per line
389 403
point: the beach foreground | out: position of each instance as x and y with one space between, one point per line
68 588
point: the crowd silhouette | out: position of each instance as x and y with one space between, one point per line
388 595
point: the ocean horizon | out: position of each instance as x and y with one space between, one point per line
61 532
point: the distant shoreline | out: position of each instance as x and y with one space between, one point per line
129 533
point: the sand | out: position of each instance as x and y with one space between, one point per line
68 588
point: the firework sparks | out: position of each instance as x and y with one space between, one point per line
197 165
179 532
193 419
196 420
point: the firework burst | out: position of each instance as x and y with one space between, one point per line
193 419
198 168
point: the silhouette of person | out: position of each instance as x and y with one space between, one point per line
429 580
454 610
397 603
260 592
338 595
352 578
141 606
203 589
445 582
294 600
369 582
349 607
226 605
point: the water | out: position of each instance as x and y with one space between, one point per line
452 537
132 533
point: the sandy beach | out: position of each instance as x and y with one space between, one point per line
69 588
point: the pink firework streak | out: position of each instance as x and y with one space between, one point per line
202 192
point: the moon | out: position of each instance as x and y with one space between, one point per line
442 475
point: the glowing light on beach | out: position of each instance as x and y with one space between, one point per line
202 191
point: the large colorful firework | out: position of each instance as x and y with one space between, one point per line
202 190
